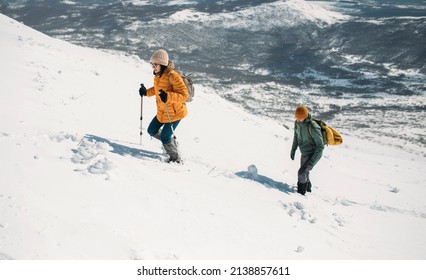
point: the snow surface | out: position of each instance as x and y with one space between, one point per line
76 184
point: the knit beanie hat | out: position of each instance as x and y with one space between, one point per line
160 57
301 112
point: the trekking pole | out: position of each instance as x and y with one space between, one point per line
140 132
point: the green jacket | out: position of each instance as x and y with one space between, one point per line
310 144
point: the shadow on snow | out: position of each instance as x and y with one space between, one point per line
140 153
267 182
123 150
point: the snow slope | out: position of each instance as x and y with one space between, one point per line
76 184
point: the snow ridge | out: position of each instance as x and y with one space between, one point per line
265 16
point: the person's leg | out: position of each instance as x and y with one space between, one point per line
303 175
169 142
154 128
167 132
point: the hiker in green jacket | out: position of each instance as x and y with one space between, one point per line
308 137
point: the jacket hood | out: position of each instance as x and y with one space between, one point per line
309 118
168 69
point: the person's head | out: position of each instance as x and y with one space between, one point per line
159 61
301 113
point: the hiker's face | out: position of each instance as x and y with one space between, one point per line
300 120
156 67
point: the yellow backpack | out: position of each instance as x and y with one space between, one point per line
330 136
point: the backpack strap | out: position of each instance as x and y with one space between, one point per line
170 80
310 127
311 123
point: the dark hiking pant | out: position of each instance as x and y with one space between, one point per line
305 168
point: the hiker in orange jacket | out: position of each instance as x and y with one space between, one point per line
171 94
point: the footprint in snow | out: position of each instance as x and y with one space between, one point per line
299 249
297 210
339 219
102 166
3 135
4 256
64 136
394 190
88 153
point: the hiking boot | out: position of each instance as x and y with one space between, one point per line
173 151
301 188
309 186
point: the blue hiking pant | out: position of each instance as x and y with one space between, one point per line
166 133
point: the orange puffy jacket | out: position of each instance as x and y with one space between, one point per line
176 95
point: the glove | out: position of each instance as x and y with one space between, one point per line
163 96
142 91
292 153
